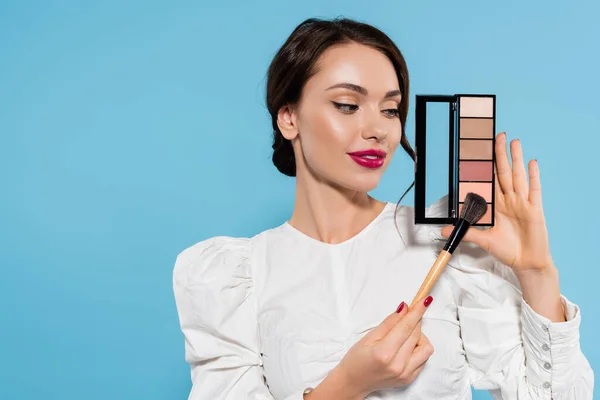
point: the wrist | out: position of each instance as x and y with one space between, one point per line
336 386
535 274
541 291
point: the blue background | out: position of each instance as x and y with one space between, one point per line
131 130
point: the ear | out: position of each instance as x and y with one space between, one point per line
286 121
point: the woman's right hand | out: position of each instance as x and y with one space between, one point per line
390 355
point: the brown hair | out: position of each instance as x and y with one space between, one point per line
295 63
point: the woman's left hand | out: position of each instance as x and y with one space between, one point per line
519 237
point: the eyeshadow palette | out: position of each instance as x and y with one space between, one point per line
455 137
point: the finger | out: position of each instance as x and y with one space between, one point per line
498 198
519 176
419 357
503 165
479 237
535 187
423 340
389 322
409 346
447 230
411 343
418 371
403 329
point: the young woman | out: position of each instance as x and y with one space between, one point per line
309 309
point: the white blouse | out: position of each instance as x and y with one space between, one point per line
268 316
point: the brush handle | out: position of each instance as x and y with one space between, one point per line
434 273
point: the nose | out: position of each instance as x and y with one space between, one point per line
375 126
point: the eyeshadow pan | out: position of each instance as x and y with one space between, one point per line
482 107
476 149
487 217
475 170
478 128
484 189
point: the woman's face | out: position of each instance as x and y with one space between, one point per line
349 106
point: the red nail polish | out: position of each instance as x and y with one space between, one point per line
428 301
400 307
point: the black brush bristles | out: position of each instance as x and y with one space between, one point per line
474 208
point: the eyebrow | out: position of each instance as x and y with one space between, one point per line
362 90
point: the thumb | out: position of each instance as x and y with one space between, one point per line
473 235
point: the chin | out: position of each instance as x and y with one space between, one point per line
364 183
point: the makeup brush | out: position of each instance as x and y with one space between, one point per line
474 208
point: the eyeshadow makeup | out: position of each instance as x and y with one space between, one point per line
455 138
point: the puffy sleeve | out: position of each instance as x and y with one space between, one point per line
512 351
214 295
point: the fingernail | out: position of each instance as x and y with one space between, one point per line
400 307
428 301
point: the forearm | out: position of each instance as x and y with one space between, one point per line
334 387
541 291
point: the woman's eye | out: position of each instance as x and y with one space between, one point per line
346 108
350 108
392 112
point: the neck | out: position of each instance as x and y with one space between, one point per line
331 214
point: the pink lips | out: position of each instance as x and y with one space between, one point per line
371 158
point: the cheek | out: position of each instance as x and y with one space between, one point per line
395 137
328 132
